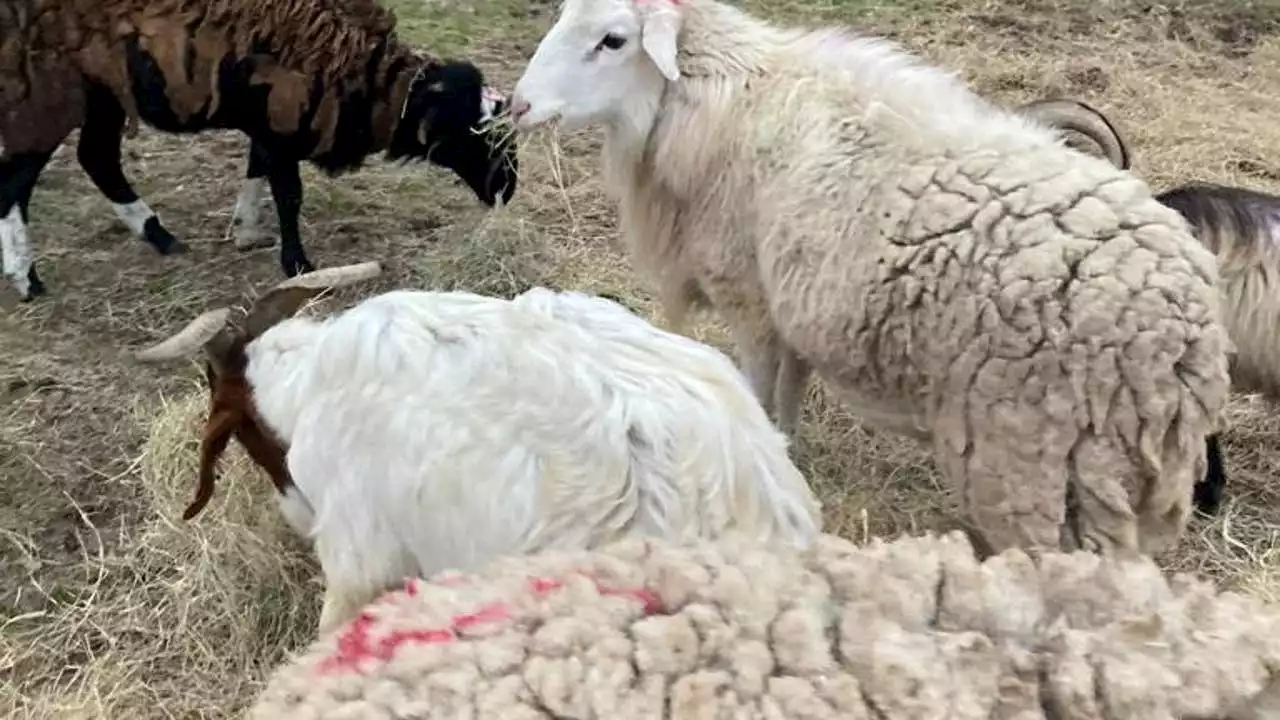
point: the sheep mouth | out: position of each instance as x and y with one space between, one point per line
548 122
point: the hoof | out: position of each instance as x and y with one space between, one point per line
297 267
32 293
155 235
248 239
177 247
1207 498
34 287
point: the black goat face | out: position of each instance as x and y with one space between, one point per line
444 122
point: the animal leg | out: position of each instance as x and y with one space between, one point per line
760 356
793 375
18 177
246 220
286 188
1119 501
1008 471
340 607
355 576
99 155
1208 492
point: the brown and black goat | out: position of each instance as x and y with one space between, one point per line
1242 228
326 81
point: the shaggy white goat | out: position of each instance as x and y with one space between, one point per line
911 629
951 268
433 430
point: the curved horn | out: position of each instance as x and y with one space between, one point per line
334 277
1083 118
185 342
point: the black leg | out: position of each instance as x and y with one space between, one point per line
259 161
286 188
35 284
18 177
1209 491
99 155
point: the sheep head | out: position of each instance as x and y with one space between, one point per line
448 119
222 337
1080 117
600 62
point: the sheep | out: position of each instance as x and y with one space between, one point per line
913 628
327 81
1242 228
424 430
949 267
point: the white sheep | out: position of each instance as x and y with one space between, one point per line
949 267
915 628
419 431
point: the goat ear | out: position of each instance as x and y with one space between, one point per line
659 35
276 305
219 351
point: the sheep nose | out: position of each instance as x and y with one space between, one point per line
519 107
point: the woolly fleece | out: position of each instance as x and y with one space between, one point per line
948 268
915 628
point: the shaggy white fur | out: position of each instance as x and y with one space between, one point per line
430 430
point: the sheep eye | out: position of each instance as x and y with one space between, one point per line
611 41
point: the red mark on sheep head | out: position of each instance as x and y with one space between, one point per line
232 411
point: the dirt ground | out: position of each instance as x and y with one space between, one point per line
88 626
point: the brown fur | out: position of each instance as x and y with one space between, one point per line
50 48
232 411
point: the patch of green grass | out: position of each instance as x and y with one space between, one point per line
455 28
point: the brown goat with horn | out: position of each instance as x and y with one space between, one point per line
325 81
1242 228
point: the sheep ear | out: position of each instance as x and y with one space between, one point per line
658 38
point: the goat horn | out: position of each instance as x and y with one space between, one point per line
1083 118
182 344
334 277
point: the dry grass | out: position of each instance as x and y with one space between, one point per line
110 606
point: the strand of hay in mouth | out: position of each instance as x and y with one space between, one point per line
187 619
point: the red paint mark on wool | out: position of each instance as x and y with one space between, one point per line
493 612
356 643
652 603
542 586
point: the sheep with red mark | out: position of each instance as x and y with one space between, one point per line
913 628
419 431
323 81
